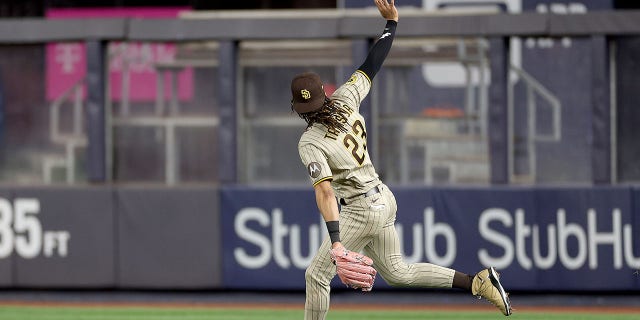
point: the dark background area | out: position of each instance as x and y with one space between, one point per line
36 8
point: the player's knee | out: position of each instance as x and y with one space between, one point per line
397 282
310 276
400 277
313 277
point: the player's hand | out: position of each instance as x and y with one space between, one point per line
387 9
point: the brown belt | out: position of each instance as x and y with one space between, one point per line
372 191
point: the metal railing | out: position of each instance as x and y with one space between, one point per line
76 138
69 140
167 120
452 143
533 88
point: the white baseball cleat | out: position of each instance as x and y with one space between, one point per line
486 284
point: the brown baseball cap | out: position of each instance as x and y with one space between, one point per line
308 92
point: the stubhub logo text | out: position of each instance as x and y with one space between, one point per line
504 239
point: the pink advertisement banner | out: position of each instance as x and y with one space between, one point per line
66 62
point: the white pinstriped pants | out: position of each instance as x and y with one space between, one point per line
367 225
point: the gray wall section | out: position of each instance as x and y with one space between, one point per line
168 238
6 264
35 30
600 112
96 113
628 113
311 24
87 215
147 238
498 112
228 106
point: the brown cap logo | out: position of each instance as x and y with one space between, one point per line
305 94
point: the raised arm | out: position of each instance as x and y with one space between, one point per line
381 48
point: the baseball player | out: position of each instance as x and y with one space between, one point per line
333 148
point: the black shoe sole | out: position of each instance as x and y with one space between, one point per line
495 280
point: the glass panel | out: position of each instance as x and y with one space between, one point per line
432 103
139 154
551 112
165 114
627 51
198 158
41 134
270 128
273 154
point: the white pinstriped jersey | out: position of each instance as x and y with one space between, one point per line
338 156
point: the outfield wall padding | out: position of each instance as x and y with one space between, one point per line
234 237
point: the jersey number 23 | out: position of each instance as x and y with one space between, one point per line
350 142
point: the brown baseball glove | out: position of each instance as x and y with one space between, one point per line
355 270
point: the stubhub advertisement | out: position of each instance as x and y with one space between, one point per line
538 238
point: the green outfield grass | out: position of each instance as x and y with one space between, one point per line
163 313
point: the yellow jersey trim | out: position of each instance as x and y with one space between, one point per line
323 179
365 75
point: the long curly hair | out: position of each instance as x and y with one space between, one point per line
331 115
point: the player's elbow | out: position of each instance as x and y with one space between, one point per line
324 191
327 194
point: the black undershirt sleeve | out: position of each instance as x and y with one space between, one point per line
379 51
